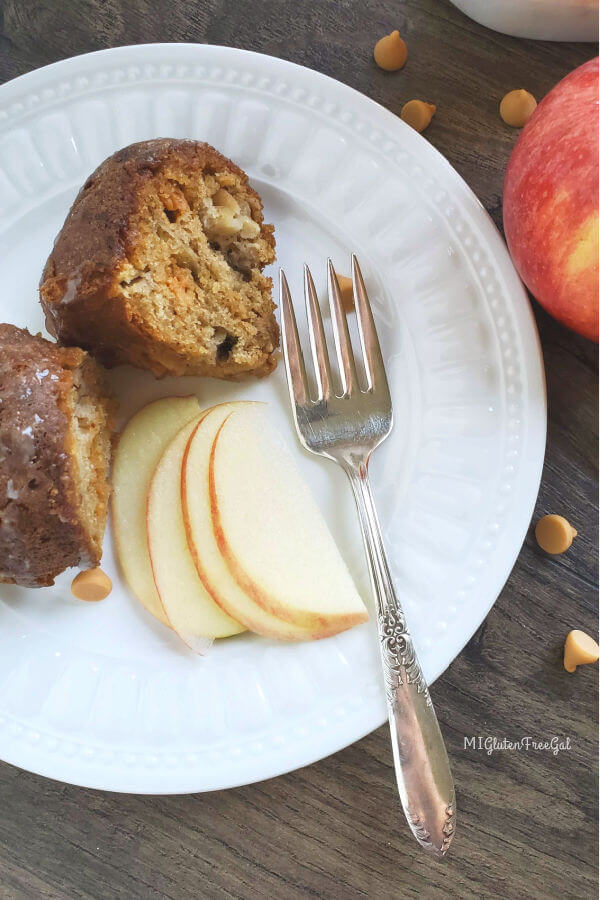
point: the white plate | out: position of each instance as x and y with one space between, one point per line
99 694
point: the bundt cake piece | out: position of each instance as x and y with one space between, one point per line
159 264
55 437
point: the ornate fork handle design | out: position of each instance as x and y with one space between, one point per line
422 769
399 659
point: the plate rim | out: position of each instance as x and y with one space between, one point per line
526 332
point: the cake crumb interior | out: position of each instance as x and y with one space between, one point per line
89 440
196 269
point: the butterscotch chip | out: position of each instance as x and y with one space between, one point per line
91 585
346 292
417 114
516 108
580 649
390 52
554 534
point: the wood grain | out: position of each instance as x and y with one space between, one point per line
527 823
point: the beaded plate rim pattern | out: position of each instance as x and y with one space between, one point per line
467 263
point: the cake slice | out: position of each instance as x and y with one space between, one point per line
55 441
159 264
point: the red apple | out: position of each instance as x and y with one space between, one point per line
551 201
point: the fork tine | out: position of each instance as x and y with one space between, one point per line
369 340
317 337
292 351
341 333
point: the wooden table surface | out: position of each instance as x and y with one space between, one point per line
527 820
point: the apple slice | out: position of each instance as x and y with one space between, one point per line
210 565
271 533
188 605
141 445
292 583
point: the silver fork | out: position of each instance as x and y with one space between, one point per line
346 428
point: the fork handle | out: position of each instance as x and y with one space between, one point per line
422 769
